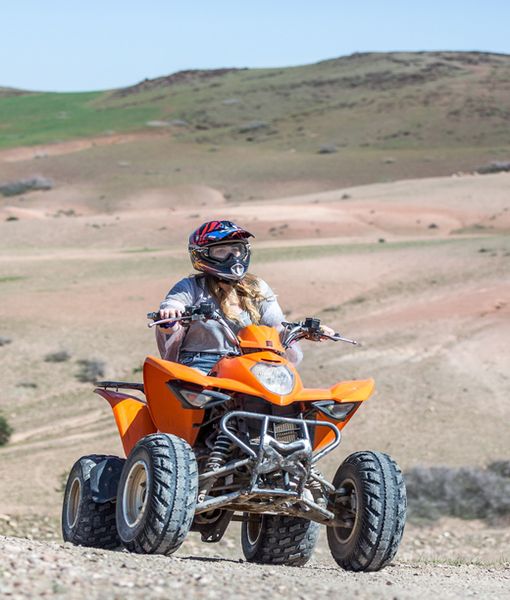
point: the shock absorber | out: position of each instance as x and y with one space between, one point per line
219 453
217 458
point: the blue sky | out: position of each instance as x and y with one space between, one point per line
63 45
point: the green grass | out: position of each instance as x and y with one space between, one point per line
50 117
389 101
10 278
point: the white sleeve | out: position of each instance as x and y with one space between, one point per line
180 295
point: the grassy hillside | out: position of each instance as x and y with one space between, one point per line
379 101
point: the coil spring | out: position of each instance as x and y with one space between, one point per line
220 452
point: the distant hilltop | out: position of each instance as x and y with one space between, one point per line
365 100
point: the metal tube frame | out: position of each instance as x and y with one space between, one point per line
267 459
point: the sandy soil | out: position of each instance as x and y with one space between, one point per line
31 569
417 270
24 153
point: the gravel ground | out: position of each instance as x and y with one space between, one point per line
31 569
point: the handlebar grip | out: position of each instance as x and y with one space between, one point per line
154 316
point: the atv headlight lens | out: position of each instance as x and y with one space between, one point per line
278 379
335 410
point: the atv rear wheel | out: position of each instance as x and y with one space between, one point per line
85 522
157 495
278 540
373 502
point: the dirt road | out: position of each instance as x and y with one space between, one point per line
31 569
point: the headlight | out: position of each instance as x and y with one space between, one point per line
335 410
193 396
275 378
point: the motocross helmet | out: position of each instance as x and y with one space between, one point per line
220 248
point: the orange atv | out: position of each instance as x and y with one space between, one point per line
239 444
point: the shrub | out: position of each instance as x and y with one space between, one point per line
56 357
15 188
5 431
90 370
494 167
466 492
328 149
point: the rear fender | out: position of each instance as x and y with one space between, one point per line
131 415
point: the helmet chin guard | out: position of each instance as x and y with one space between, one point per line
238 270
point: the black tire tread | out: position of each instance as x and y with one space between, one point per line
284 540
96 526
172 505
383 520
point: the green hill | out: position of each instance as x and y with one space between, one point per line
381 101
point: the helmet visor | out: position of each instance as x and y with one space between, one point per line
223 252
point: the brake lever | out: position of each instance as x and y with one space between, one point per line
338 338
173 320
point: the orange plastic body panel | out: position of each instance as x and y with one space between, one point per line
346 391
261 337
168 413
131 415
234 374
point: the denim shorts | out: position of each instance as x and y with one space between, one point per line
203 361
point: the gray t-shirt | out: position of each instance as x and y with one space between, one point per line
209 336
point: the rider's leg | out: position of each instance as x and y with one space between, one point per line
203 361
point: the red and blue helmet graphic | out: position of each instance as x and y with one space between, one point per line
213 232
219 232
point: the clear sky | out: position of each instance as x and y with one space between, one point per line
65 45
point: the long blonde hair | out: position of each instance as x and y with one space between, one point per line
247 291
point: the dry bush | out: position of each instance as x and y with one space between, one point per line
57 357
467 492
90 370
5 431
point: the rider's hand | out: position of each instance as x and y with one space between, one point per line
326 330
170 313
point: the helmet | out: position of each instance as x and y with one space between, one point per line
220 248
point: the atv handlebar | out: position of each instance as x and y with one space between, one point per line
309 329
202 312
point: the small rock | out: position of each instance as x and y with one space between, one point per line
253 126
157 124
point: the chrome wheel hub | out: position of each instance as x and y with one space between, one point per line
134 497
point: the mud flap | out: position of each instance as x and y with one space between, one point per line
104 479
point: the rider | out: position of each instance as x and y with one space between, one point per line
220 251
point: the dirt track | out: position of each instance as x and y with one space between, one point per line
429 303
32 569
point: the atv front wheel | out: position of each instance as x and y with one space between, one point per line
278 540
157 495
85 522
373 505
